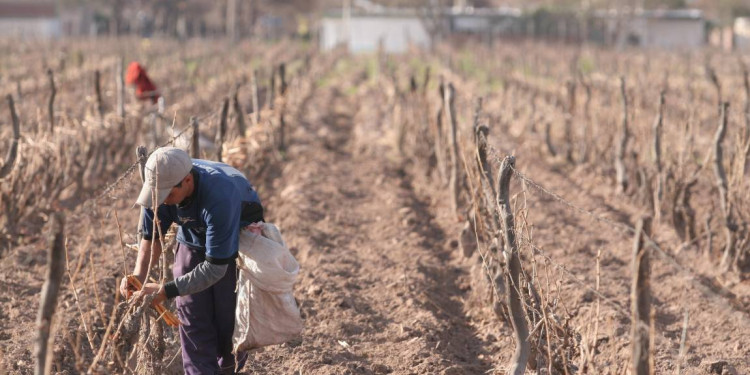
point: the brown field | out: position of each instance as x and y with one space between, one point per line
380 205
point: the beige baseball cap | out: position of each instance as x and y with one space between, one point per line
165 168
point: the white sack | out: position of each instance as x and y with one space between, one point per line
266 313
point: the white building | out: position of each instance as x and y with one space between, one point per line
742 33
364 29
364 32
29 19
670 29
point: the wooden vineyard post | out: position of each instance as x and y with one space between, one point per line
548 139
51 103
271 89
723 187
683 339
254 92
282 78
711 74
141 156
570 112
120 82
531 126
222 130
238 112
622 144
710 239
195 151
282 93
518 316
98 92
587 102
396 109
719 172
438 144
50 291
10 159
282 130
741 161
481 134
468 236
641 301
658 124
450 99
153 122
746 86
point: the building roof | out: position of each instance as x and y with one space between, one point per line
674 14
421 12
27 9
364 8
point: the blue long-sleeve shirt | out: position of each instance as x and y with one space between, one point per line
222 202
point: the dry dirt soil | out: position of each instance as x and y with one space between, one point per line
384 288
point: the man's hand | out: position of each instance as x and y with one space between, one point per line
152 288
127 289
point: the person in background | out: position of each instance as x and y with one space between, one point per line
210 202
144 88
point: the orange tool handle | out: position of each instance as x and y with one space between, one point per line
169 317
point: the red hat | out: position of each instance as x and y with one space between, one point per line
144 88
135 70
